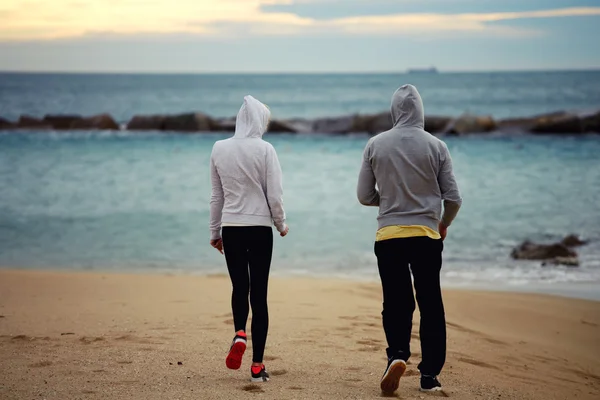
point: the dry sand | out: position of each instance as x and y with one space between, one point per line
111 336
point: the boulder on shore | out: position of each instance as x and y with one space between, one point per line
566 261
190 122
573 241
102 122
61 122
146 123
534 251
467 123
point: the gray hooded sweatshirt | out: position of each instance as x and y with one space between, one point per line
411 168
245 175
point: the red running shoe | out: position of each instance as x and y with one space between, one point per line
236 352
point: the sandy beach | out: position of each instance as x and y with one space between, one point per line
117 336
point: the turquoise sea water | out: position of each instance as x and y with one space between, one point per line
139 202
309 95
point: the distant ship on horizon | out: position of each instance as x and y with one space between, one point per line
430 70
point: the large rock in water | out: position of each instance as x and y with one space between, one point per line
300 125
556 123
470 124
276 126
61 122
573 241
191 122
436 124
6 124
28 122
590 121
146 123
102 122
344 124
377 123
533 251
371 124
224 125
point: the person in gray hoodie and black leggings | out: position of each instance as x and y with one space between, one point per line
246 201
407 173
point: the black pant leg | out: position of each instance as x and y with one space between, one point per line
236 255
260 254
426 264
398 298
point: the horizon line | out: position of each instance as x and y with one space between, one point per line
381 72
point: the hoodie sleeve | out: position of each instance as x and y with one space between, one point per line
366 192
216 201
448 187
275 189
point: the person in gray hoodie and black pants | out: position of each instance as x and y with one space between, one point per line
407 173
246 201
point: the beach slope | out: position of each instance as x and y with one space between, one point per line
118 336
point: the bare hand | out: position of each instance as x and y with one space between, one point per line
217 244
443 229
285 231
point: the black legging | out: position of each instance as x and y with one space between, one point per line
248 252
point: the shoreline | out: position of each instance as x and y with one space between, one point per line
118 336
565 290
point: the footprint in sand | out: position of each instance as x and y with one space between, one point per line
370 342
253 388
41 364
371 348
295 388
477 363
350 317
23 338
271 358
90 340
278 372
495 341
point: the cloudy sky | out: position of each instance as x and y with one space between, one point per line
297 35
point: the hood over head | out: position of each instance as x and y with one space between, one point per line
252 119
407 107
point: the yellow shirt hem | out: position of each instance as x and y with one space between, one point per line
405 231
